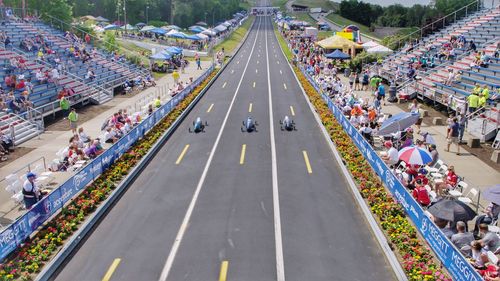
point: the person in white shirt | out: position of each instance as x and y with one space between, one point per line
391 158
83 136
39 76
31 193
54 73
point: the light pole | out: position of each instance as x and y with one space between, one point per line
147 13
125 14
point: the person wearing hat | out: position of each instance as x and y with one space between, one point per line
482 101
391 157
31 193
473 101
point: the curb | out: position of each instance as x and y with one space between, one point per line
391 257
86 228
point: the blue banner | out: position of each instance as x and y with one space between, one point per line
456 264
18 231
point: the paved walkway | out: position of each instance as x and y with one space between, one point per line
50 142
476 172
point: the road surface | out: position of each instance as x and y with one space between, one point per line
272 203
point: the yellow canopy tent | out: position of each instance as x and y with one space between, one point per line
338 42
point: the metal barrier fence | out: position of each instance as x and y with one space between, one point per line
24 226
451 257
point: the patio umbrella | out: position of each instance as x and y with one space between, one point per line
201 23
398 122
161 56
452 210
415 155
492 194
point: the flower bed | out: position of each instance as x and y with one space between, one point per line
415 256
30 258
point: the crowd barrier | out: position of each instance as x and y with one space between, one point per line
24 226
456 264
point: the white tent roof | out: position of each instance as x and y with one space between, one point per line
202 36
147 28
379 50
370 44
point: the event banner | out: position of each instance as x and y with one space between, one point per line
456 264
23 227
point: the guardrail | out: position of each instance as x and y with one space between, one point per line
451 257
15 234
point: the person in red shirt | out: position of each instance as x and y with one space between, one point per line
449 183
420 194
20 85
87 38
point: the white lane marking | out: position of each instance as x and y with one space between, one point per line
280 267
189 212
232 71
281 72
256 71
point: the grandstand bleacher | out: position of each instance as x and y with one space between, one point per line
483 28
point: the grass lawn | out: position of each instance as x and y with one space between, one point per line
338 19
305 17
283 44
230 43
279 3
326 5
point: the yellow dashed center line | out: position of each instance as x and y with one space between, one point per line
223 271
111 270
292 111
182 154
242 155
210 108
250 106
306 159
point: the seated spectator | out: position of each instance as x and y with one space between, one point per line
25 100
54 75
83 136
20 86
391 158
40 77
421 194
10 81
462 238
110 136
477 251
13 104
434 153
90 75
449 183
489 240
6 142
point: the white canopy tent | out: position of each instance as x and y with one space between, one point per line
370 44
379 50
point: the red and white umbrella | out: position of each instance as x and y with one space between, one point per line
415 155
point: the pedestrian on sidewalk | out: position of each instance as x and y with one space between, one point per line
462 121
31 193
453 135
64 104
73 120
176 76
198 63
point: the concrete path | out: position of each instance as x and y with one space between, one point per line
50 142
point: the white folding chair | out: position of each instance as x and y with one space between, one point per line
11 178
470 197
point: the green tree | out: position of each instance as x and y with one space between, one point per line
110 41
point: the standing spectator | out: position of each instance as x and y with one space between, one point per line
198 63
64 104
73 120
356 81
453 136
364 83
87 38
176 76
31 193
381 91
462 121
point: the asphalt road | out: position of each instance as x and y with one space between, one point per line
247 198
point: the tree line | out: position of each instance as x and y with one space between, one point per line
179 12
398 15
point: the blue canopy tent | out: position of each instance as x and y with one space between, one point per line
193 37
173 50
161 56
158 31
196 29
337 55
179 35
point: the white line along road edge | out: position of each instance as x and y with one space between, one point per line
189 212
391 257
280 267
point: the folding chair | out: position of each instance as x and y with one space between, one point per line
458 193
470 198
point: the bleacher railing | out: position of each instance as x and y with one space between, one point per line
16 233
452 259
443 22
